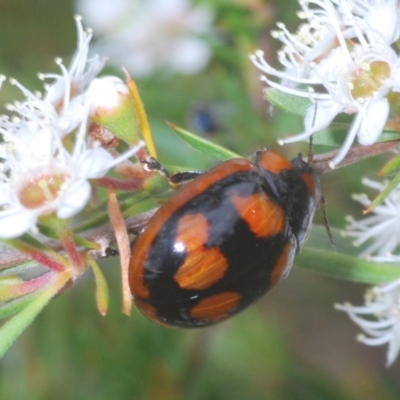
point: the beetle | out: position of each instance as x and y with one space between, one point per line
223 240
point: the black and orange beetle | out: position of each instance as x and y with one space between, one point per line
223 240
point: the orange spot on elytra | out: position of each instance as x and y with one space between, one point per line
284 263
309 180
216 307
149 311
201 269
136 272
192 231
274 162
202 266
264 217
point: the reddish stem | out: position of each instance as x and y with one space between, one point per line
119 184
44 260
26 287
73 253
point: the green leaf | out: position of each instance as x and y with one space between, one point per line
341 266
14 306
317 256
288 102
10 330
385 136
203 145
392 185
102 292
392 167
333 136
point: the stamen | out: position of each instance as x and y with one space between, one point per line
67 84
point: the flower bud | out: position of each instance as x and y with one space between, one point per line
112 108
156 185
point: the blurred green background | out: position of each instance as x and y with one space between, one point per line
291 345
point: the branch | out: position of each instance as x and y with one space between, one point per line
103 235
320 162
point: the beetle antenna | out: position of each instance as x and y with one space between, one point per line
327 224
310 151
323 200
152 164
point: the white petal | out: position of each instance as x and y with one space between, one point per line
55 92
318 117
37 144
321 114
95 163
74 200
4 194
16 223
384 18
373 122
71 116
349 140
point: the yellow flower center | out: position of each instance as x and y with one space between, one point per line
367 79
42 189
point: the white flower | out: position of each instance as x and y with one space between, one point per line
379 318
66 91
351 61
46 158
39 174
36 113
62 107
43 177
303 51
146 35
382 16
381 229
80 73
37 183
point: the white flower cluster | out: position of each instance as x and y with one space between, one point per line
149 35
45 156
379 318
342 59
381 229
379 233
